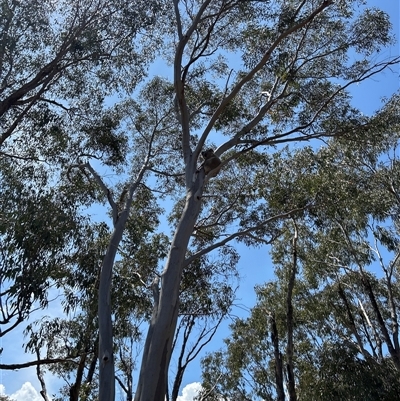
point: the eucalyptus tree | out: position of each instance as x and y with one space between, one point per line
59 60
326 327
357 249
40 229
64 56
250 75
67 345
347 304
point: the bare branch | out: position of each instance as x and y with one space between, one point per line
284 137
46 361
105 190
257 68
43 391
239 234
178 19
371 295
179 87
352 323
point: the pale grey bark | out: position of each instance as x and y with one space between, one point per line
157 350
39 373
365 280
106 355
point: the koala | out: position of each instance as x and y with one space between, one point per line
211 162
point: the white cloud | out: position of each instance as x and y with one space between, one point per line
26 393
189 392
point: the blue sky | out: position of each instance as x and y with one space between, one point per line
254 265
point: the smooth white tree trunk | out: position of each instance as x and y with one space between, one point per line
157 350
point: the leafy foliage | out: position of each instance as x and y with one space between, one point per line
97 159
345 297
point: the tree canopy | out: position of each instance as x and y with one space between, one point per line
330 316
106 205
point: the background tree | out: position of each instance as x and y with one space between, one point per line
58 63
345 312
50 53
40 229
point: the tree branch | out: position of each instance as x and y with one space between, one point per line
47 361
106 191
240 234
257 68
